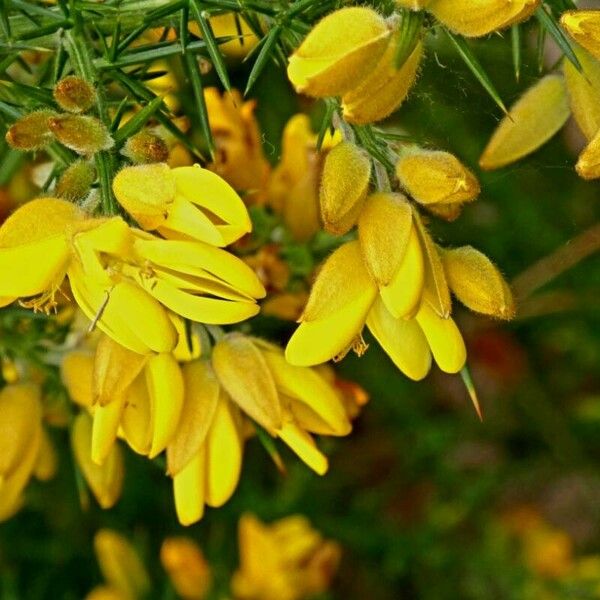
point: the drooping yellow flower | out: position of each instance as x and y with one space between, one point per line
125 281
339 52
584 27
187 568
20 441
384 89
540 112
294 183
286 560
188 203
239 158
120 564
475 19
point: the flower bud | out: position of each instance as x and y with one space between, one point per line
384 89
187 568
105 481
75 95
344 185
32 131
540 112
338 52
584 27
477 282
76 181
584 91
435 177
146 147
588 165
83 134
462 17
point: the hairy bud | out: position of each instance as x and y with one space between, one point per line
146 147
85 135
32 131
75 95
76 181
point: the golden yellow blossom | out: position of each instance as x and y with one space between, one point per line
339 52
344 185
187 568
588 165
239 157
475 20
286 560
182 203
384 89
540 112
584 27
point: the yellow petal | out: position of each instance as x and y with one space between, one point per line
244 374
344 184
136 418
304 386
46 462
540 112
304 446
188 570
200 403
403 294
224 449
115 368
584 27
104 430
384 230
402 340
338 52
189 490
444 338
76 371
185 221
588 164
165 386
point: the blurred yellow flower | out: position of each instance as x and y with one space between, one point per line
286 560
187 568
584 27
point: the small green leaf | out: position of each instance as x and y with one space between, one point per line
267 45
137 122
550 24
475 67
407 35
468 381
515 38
330 108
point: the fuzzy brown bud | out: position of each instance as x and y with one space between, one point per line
31 132
84 135
76 181
74 94
146 147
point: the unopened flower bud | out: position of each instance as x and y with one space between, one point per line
540 112
31 132
384 89
339 52
146 147
435 177
76 181
448 212
584 91
477 282
74 94
83 134
584 27
344 185
462 17
588 165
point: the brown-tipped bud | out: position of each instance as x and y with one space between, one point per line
435 177
477 282
588 165
76 181
74 94
344 186
85 135
146 147
31 132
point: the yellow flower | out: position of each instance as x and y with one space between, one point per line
339 52
239 158
120 564
588 165
20 442
125 281
182 203
294 184
106 480
286 560
584 27
470 20
384 89
540 112
227 25
187 568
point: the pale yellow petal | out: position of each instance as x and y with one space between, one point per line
304 446
189 490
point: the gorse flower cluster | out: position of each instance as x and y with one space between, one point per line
157 229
